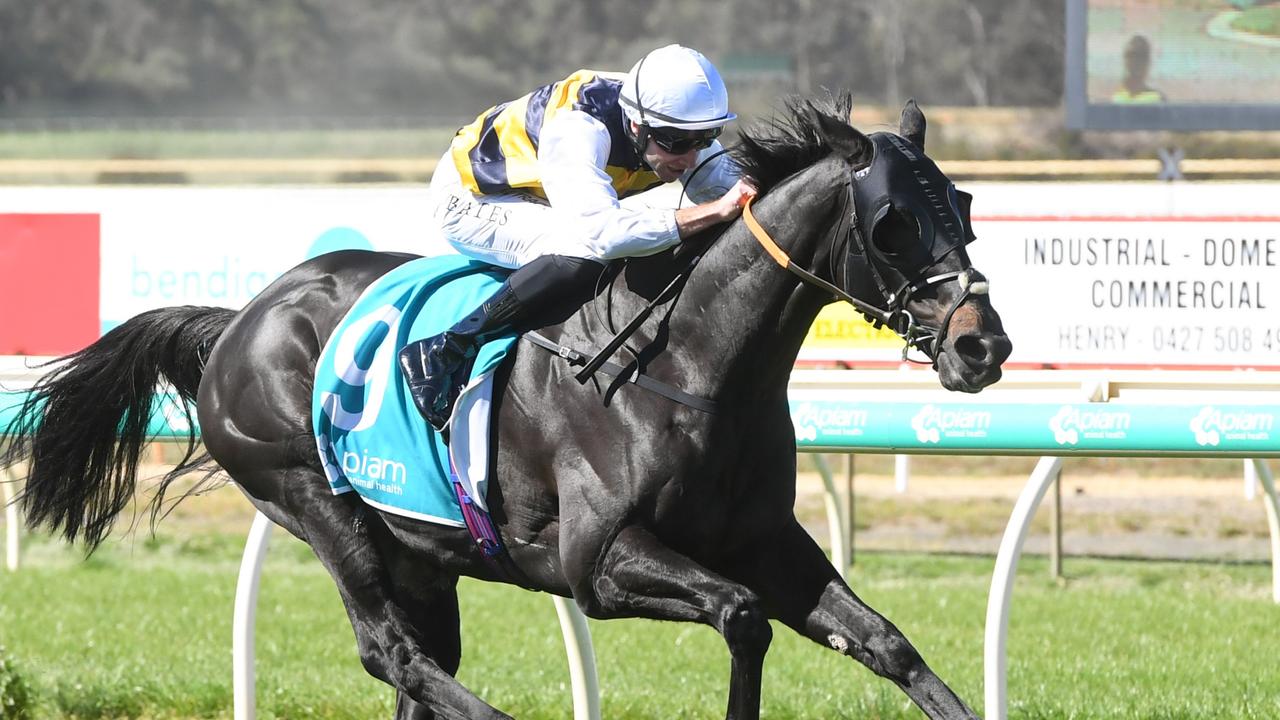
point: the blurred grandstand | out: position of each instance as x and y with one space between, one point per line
133 88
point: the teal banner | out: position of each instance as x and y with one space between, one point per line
168 420
1037 429
972 428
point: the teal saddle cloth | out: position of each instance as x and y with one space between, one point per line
370 436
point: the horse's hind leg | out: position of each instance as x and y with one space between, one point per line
435 612
397 644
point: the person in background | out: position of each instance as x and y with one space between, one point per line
535 185
1137 65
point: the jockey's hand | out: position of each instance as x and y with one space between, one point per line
723 209
731 202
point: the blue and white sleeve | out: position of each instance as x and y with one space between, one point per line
573 152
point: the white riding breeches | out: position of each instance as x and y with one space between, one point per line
504 230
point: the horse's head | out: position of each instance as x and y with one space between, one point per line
907 245
905 261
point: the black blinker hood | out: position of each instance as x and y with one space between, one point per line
901 177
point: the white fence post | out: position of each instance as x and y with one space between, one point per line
1273 522
582 659
994 657
245 616
901 472
835 517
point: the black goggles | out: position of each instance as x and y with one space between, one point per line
679 142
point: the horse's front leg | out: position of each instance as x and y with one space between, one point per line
639 576
802 589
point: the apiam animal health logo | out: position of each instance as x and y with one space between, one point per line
1211 425
1071 423
810 419
933 423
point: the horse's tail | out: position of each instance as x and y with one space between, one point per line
84 424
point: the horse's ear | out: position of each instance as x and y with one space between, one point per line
844 139
911 125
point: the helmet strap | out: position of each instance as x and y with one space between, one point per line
640 141
640 138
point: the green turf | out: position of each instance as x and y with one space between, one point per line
143 630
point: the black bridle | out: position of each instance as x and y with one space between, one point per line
894 313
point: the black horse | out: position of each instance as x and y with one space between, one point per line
629 502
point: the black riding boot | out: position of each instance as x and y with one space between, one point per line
544 292
431 366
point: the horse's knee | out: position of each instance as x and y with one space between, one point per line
744 624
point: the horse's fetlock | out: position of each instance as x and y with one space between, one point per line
373 663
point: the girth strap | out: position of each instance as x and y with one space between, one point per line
632 375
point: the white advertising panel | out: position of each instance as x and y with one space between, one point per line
1138 291
1120 275
1083 274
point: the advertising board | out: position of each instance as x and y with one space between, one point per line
1084 274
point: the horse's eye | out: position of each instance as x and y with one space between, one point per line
896 233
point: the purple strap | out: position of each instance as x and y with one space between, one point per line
477 520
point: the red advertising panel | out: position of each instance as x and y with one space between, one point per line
48 283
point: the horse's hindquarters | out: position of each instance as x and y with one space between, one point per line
255 399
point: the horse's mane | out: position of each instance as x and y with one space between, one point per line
774 149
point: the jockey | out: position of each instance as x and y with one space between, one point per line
535 185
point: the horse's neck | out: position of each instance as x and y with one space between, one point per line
743 316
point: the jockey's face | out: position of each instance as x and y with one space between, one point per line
667 165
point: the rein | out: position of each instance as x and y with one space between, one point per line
629 374
780 256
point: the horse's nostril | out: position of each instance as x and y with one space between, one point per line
972 349
983 350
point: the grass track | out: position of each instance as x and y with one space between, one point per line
143 630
